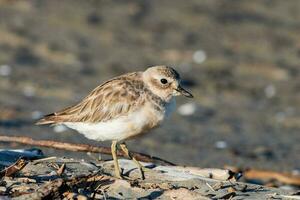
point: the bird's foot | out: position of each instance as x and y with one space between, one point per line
141 168
118 174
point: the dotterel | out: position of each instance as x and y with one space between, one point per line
123 107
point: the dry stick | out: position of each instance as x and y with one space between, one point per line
271 175
267 175
79 147
14 168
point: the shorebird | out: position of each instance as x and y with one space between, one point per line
123 107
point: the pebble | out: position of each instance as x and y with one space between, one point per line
5 70
187 109
270 91
29 91
296 172
221 144
59 128
199 56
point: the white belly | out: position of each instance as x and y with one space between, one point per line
122 127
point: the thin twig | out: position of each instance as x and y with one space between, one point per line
43 160
61 170
80 147
210 187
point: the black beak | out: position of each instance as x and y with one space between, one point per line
184 92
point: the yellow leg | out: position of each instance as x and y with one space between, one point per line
140 166
114 155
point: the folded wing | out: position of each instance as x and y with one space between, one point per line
115 98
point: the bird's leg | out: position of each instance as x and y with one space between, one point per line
127 153
114 155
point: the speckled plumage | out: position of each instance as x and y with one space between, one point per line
122 107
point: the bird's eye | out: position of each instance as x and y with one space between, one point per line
163 81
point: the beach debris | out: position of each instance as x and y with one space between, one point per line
213 173
86 181
14 168
267 176
80 147
61 169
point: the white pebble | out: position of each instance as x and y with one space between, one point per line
295 172
29 91
5 70
59 128
199 56
270 91
36 114
187 109
221 144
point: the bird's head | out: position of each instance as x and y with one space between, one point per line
164 82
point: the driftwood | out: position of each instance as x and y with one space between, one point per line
271 175
14 168
80 147
218 174
264 175
267 175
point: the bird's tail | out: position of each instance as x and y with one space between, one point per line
48 119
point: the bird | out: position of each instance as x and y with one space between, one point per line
122 108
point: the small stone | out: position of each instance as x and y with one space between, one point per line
270 91
199 56
29 91
187 109
296 172
5 70
221 144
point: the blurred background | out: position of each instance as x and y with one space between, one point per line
240 59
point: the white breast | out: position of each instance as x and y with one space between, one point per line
125 126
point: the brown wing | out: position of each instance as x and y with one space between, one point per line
110 100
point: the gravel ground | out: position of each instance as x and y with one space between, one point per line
239 58
61 178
